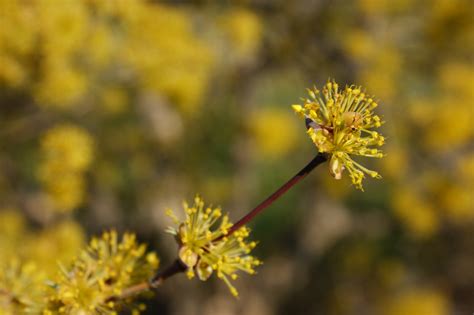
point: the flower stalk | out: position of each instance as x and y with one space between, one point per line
178 266
339 122
318 159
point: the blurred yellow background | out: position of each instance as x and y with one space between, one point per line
112 111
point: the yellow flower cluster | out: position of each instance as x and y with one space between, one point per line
457 200
67 152
101 271
435 198
433 108
205 247
263 124
436 115
21 288
168 58
243 28
339 123
60 51
28 259
418 301
418 215
445 128
60 240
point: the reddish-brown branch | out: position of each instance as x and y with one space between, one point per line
318 159
176 267
173 269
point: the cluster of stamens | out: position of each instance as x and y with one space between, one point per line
207 247
339 122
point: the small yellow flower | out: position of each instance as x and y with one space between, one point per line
101 271
206 248
67 152
21 287
339 122
67 148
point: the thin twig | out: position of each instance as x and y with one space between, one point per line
318 159
133 290
176 267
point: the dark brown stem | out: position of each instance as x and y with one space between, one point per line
318 159
173 269
176 267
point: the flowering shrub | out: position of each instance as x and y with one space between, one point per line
112 111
